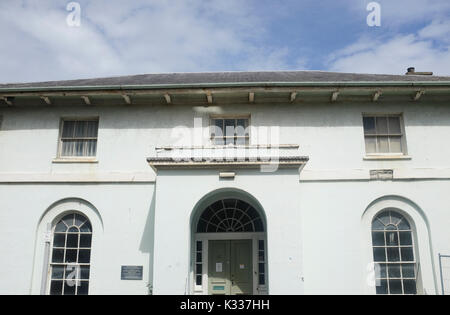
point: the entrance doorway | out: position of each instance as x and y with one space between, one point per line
230 267
229 249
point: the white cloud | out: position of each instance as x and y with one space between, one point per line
126 37
438 29
395 54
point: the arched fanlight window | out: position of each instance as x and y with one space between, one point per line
71 256
230 215
393 252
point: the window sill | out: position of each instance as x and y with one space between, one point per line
386 157
75 160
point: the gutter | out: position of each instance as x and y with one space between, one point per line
230 85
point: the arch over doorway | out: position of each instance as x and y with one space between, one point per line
229 244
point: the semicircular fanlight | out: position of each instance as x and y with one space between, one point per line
228 216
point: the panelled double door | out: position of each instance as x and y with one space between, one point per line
230 267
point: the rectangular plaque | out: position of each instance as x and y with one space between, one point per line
131 273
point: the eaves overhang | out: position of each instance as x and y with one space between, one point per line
221 88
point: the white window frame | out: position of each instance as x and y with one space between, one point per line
224 117
400 263
60 139
52 264
402 136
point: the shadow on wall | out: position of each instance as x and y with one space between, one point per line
266 115
147 244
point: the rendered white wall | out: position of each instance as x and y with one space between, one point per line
317 216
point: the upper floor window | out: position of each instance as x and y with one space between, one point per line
71 256
384 134
393 253
78 138
225 131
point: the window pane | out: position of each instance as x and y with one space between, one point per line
219 124
84 272
395 144
407 254
408 270
382 288
199 246
199 269
57 272
261 245
369 125
58 256
371 144
378 238
410 286
382 270
229 127
262 279
84 256
83 289
56 288
91 147
86 227
393 254
395 286
379 254
71 256
80 129
67 148
394 125
377 225
392 238
405 238
261 255
198 280
383 144
92 129
404 225
85 240
72 240
68 129
69 289
382 125
394 271
59 240
261 268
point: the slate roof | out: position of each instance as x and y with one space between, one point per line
230 77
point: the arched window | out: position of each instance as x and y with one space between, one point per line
230 215
71 256
393 252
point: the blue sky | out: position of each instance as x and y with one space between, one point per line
119 37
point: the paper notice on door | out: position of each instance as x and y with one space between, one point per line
241 266
219 267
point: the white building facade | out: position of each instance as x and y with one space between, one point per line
226 183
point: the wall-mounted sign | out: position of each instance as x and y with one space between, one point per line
132 273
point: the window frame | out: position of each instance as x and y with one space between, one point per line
401 263
212 118
52 264
59 156
402 135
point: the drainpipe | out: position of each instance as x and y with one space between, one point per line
47 240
